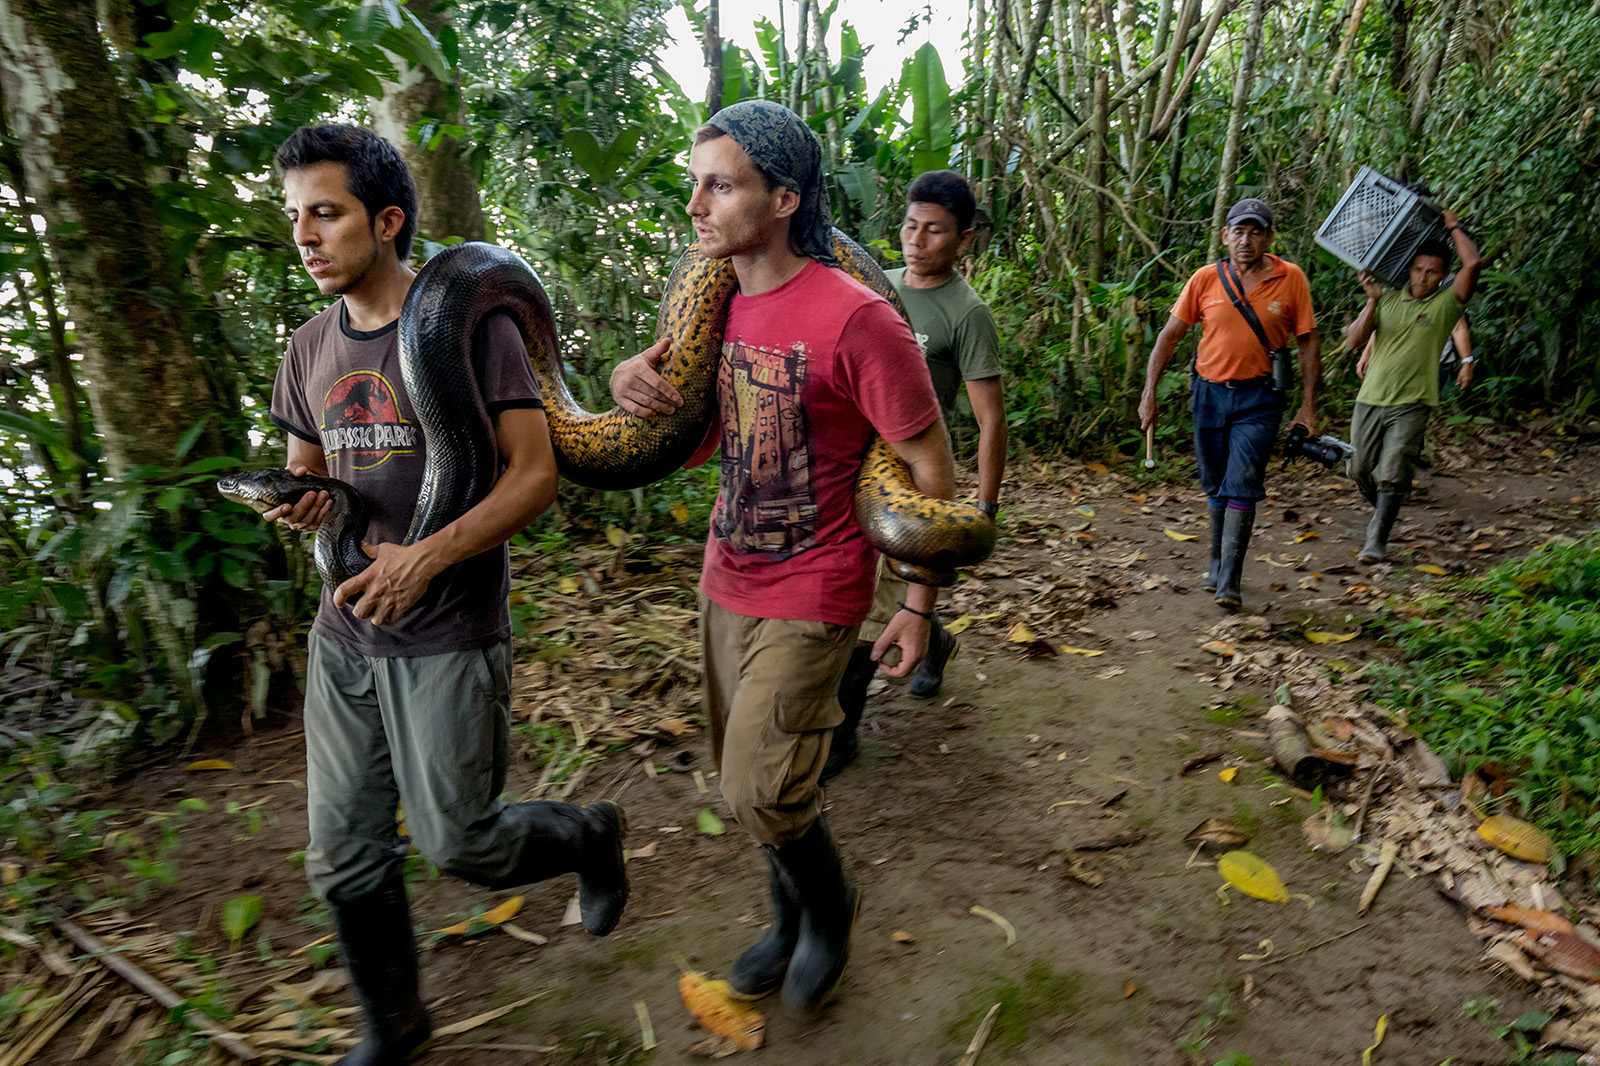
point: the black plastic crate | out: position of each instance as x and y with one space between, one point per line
1377 226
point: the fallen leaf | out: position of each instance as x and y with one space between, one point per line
900 936
647 1032
1198 761
1085 510
1021 634
1310 534
1082 874
1436 571
1111 671
1534 921
1228 774
1219 647
1010 930
1128 989
960 625
1328 831
457 1028
567 586
675 726
1377 1038
1142 634
485 921
616 537
712 1006
516 932
1252 876
709 824
1175 535
647 851
1386 856
1068 649
678 511
573 915
1097 468
209 764
1517 838
1216 831
1567 953
1317 636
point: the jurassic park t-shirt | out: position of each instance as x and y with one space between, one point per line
341 389
809 371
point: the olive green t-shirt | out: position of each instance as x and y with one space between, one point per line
1405 360
955 330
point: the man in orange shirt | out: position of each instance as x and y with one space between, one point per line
1237 408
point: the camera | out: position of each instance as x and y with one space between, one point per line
1328 450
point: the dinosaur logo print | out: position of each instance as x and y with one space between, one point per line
361 419
767 502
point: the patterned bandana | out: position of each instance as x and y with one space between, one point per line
780 143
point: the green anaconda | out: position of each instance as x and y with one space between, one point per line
926 539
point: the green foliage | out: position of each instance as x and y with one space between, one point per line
239 916
1503 671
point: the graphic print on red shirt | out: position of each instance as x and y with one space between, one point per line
767 450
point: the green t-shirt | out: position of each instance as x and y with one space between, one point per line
1405 360
955 330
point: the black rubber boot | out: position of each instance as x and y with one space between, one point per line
1236 526
381 953
1384 513
858 674
563 838
760 970
828 902
1218 513
942 647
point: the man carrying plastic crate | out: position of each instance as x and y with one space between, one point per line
1401 385
1247 306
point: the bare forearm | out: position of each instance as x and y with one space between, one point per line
1361 329
992 441
1160 359
520 496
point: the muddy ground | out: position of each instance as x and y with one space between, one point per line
979 798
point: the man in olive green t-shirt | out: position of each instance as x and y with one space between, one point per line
1400 387
959 340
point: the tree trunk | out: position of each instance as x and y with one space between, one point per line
1350 32
1099 149
1241 101
713 57
1400 15
1192 70
834 142
447 192
64 105
1424 90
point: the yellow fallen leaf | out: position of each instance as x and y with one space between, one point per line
209 764
487 920
1010 930
567 585
1319 637
678 510
1516 838
960 625
712 1006
1085 510
1021 634
1097 468
1252 876
1068 649
1378 1032
1436 571
900 936
616 537
1229 774
1175 535
1309 534
1219 647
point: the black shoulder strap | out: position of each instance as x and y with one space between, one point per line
1224 271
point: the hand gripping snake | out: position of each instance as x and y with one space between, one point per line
925 538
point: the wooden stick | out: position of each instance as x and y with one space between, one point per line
979 1038
1150 447
153 988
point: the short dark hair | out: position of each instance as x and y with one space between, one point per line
1436 248
374 172
709 132
947 189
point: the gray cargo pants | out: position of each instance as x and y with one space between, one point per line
1387 441
432 732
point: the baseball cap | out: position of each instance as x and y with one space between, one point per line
1250 210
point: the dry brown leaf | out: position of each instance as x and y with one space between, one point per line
1217 831
457 1028
1566 953
1534 921
1219 647
516 932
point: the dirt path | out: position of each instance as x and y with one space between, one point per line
986 798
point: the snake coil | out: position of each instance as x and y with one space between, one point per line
926 539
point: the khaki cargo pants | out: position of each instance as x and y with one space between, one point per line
1388 442
772 695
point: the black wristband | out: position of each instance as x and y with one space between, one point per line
920 614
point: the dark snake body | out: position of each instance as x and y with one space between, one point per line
927 539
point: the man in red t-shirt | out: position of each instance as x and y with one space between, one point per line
813 364
1237 408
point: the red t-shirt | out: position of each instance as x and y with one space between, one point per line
809 371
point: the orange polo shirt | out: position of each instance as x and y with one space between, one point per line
1229 348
